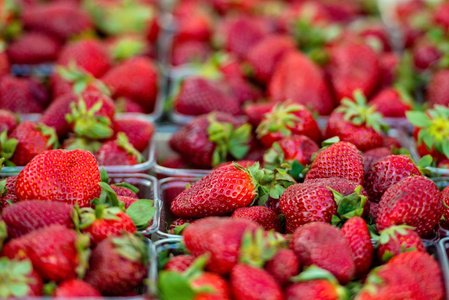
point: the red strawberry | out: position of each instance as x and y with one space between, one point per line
4 61
219 285
118 153
357 233
33 139
229 165
19 280
195 25
7 121
127 201
283 266
414 201
391 103
285 120
73 177
190 52
8 192
262 215
256 111
298 79
179 225
315 243
438 88
125 105
75 288
141 85
370 157
373 209
391 142
356 123
341 185
139 132
199 96
26 216
179 263
425 54
33 48
54 115
388 63
221 237
386 172
398 239
124 191
353 66
445 200
339 160
264 56
441 15
118 265
251 283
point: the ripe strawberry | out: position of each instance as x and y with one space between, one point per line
356 123
199 96
398 239
4 61
414 201
391 143
33 139
73 177
391 103
425 54
388 63
19 280
315 243
298 79
339 160
372 156
8 192
251 283
222 237
265 55
353 66
179 263
341 185
255 112
53 18
26 216
103 222
204 142
438 88
141 85
118 153
445 200
125 105
7 121
386 172
193 23
33 48
285 120
262 215
283 266
189 52
75 288
179 225
124 190
229 165
441 15
118 265
357 233
139 132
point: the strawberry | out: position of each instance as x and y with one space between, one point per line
315 243
189 52
75 288
255 112
356 123
425 54
219 285
33 48
283 266
179 225
357 233
372 156
53 19
441 15
8 192
353 66
74 178
118 265
264 56
19 279
141 85
391 143
414 201
26 216
206 140
398 239
221 237
391 103
7 121
445 200
194 27
118 153
386 172
4 60
298 79
285 120
437 88
125 190
179 263
341 185
199 96
339 160
125 105
33 139
388 63
139 132
248 282
262 215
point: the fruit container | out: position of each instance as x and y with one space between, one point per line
148 153
39 71
443 259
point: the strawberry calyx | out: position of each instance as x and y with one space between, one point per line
14 278
392 233
123 142
228 140
73 143
81 79
280 119
360 113
178 230
3 233
82 244
132 248
86 123
314 272
89 215
275 158
141 212
312 36
348 206
7 148
127 47
50 133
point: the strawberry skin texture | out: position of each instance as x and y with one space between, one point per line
438 88
386 172
252 283
111 154
179 263
33 48
218 193
256 111
102 229
221 237
22 95
370 157
7 121
4 64
178 222
73 177
298 147
302 204
445 200
401 243
389 103
125 192
10 193
216 282
315 243
139 132
357 233
76 288
314 289
26 216
262 215
413 201
54 115
283 266
339 160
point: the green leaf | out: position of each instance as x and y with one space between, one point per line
418 118
173 285
141 212
425 161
